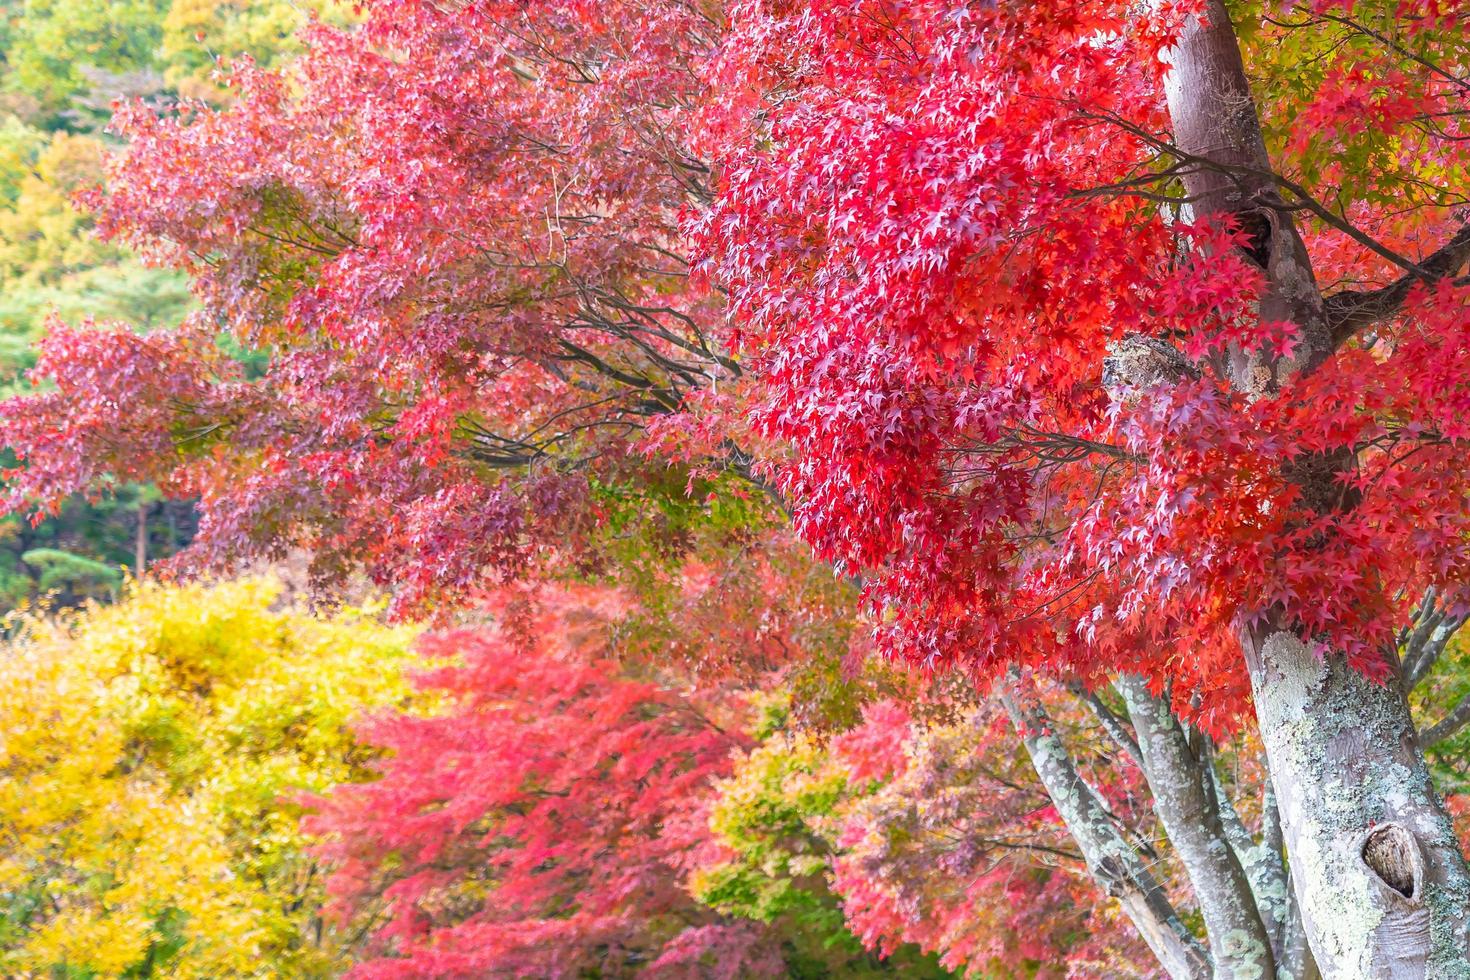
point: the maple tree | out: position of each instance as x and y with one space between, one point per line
539 824
928 831
1082 370
431 422
957 847
567 804
1112 342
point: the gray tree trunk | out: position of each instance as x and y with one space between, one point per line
1375 864
140 539
1266 872
1377 872
1110 858
1179 774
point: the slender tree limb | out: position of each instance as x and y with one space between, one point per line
1412 639
1265 866
1425 639
1272 837
1111 860
1458 718
1264 869
1182 780
1116 727
1351 311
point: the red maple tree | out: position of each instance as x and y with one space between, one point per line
455 233
1085 368
541 821
1124 343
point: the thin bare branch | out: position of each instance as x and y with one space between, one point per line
1351 311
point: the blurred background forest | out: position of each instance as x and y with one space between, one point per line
63 63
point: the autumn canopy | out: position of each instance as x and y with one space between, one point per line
933 377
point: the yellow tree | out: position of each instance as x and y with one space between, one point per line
148 755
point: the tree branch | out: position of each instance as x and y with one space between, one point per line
1425 639
1451 723
1182 780
1264 869
1351 311
1116 727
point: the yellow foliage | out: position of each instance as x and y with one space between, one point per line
42 236
195 31
148 753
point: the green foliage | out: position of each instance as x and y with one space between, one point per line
62 570
655 516
43 238
1298 67
778 818
769 815
125 290
96 536
64 61
195 31
1446 686
54 43
20 147
50 265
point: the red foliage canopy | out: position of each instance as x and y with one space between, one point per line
453 231
948 230
456 230
543 821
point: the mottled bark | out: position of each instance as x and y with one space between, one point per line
1111 860
1377 873
140 541
1375 864
1264 870
1177 768
1458 718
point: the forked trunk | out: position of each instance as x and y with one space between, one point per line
1111 860
1180 776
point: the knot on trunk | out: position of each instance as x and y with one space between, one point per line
1138 363
1259 228
1392 853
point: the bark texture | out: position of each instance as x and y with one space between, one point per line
1217 132
1266 873
1177 766
1377 873
1375 863
1111 859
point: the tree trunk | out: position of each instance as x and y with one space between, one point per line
1111 860
1177 768
1375 863
1377 872
140 539
1266 873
